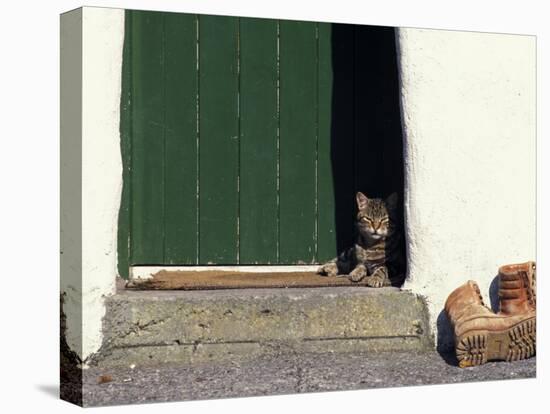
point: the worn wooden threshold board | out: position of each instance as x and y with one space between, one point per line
213 279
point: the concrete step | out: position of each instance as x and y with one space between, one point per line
152 327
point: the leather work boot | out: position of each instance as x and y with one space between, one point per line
517 290
481 335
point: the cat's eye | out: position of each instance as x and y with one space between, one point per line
364 219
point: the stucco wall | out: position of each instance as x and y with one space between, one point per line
91 169
468 107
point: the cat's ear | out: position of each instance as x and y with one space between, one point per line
362 200
391 201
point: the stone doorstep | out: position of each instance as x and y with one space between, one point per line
156 327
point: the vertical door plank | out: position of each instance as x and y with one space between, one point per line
218 140
148 138
181 80
258 141
298 124
124 233
326 220
336 140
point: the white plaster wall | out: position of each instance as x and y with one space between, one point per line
102 39
102 33
468 107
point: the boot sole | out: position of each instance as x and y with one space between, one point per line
511 344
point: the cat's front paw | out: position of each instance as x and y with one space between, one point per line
328 269
378 278
358 274
375 282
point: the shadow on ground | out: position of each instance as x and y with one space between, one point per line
49 389
445 342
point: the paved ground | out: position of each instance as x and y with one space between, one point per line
286 374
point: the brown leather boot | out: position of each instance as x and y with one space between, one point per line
517 290
481 335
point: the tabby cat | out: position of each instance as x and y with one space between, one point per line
377 254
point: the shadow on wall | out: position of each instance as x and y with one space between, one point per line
366 136
493 294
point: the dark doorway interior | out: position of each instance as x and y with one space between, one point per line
366 121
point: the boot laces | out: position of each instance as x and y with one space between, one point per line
479 295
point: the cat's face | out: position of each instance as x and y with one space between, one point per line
376 216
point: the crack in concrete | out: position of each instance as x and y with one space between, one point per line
178 342
139 327
361 338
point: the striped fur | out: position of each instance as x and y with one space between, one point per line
377 254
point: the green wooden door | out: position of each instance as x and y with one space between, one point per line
226 141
